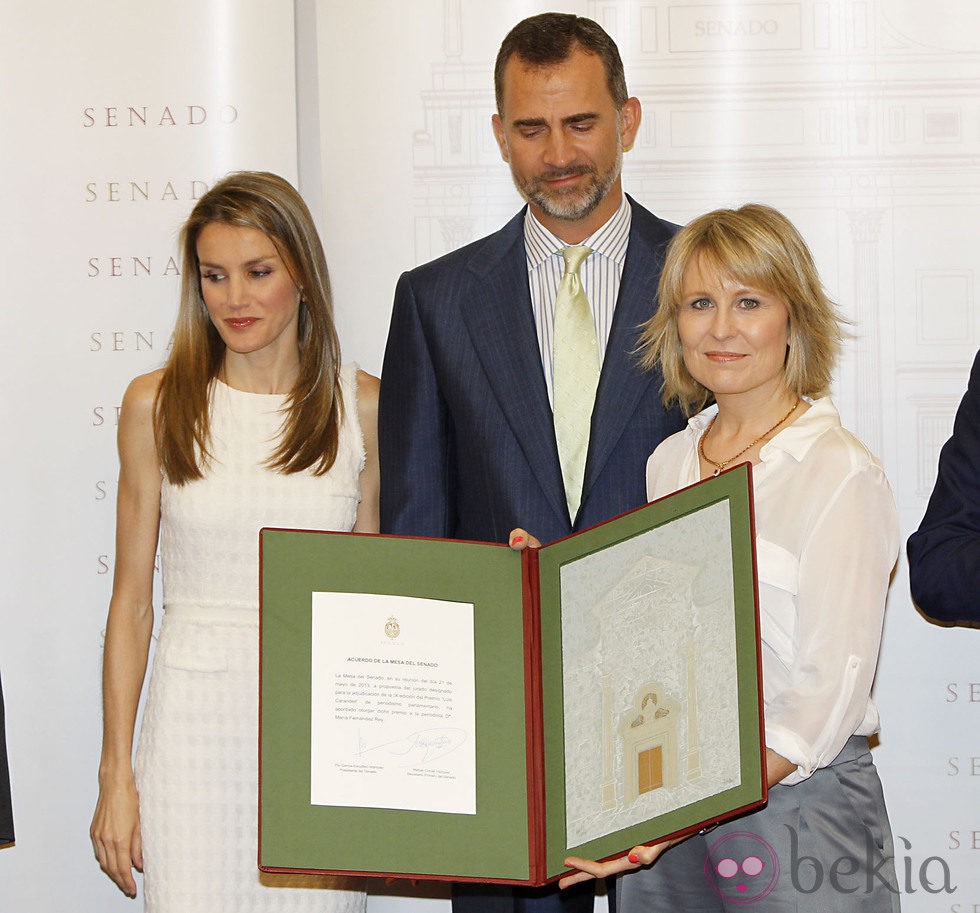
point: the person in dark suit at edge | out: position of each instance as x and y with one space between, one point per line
944 554
511 395
6 811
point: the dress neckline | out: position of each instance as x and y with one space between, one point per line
234 391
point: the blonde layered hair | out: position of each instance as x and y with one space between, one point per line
314 411
760 248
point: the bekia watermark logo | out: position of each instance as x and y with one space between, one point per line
737 877
743 868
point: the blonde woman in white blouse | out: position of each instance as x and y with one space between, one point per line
744 324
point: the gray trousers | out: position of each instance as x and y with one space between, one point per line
820 846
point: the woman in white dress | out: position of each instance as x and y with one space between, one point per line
744 322
252 422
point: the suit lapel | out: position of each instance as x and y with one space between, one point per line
623 383
501 326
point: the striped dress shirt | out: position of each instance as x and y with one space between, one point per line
600 276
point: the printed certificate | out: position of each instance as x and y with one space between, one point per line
393 719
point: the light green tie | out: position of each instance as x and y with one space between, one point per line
575 354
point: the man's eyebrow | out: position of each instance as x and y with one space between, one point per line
530 122
580 118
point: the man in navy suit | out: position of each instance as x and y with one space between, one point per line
467 437
944 554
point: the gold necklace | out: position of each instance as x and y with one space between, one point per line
720 466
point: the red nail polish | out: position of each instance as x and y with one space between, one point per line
516 540
634 858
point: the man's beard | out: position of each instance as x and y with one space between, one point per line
573 204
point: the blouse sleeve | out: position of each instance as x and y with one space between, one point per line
845 563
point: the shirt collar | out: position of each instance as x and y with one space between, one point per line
799 437
795 439
610 240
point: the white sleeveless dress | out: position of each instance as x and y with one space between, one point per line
197 760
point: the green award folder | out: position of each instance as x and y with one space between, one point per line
460 711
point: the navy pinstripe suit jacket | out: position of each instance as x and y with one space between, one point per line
467 440
944 554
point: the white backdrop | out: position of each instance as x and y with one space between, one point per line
859 118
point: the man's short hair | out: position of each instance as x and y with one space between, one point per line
551 38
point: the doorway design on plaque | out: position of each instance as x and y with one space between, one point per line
650 739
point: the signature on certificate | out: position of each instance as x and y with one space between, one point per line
417 748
